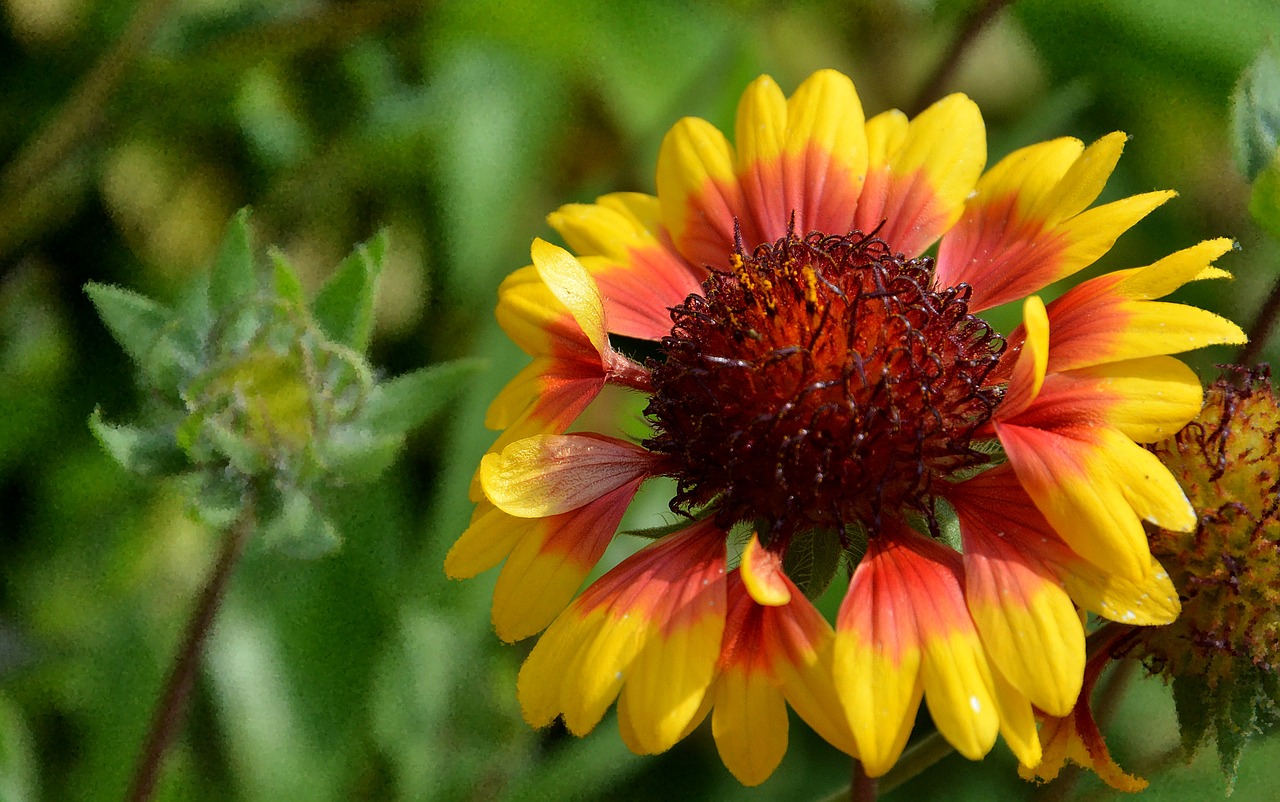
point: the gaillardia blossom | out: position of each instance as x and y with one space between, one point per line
824 387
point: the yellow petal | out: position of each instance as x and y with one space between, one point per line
573 286
749 722
762 575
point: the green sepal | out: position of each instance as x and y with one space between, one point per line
1255 114
1264 200
1191 699
811 561
344 307
287 285
402 404
659 532
352 455
293 523
233 280
135 321
219 500
146 452
243 454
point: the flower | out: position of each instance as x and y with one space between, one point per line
825 393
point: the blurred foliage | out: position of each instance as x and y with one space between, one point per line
455 126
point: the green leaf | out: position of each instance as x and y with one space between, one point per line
406 402
1192 700
287 285
812 560
1255 114
296 525
356 455
147 452
136 322
344 307
1264 201
219 500
234 278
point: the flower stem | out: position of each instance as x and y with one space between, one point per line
863 788
915 759
946 68
1262 326
172 705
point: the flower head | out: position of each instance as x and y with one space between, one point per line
1223 654
823 383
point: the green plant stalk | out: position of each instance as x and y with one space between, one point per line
171 706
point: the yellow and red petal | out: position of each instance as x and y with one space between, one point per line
903 629
544 398
877 655
749 720
806 156
1026 619
1112 318
1026 227
550 474
749 723
1017 720
486 542
1152 600
1030 361
762 574
953 669
1094 485
620 240
684 595
1076 737
547 566
581 662
699 192
920 174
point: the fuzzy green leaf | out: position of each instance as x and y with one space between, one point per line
147 452
356 455
402 404
295 524
135 321
344 307
1255 114
233 279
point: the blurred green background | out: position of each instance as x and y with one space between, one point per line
456 126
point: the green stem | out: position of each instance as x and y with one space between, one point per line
172 705
915 759
943 73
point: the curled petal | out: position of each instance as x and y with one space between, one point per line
550 474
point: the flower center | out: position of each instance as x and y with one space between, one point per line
820 383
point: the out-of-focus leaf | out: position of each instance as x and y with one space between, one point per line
233 279
293 523
344 307
1264 202
135 321
355 454
19 777
147 452
406 402
287 284
1255 114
